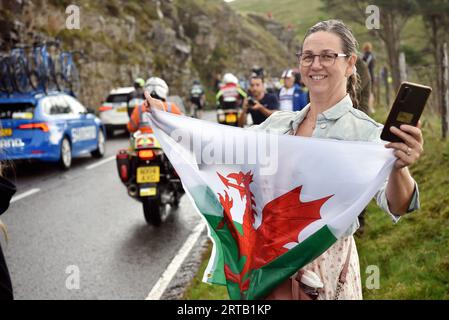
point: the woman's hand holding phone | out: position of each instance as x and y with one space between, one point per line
409 151
402 127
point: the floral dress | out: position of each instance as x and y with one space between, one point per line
328 267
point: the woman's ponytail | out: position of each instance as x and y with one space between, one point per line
353 87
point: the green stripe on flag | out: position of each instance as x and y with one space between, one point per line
209 206
227 252
267 278
225 245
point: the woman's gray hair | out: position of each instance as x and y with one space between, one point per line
349 44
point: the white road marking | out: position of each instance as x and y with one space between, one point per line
24 195
160 286
92 166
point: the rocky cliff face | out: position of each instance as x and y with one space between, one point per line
286 35
178 40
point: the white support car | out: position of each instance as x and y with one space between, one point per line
113 112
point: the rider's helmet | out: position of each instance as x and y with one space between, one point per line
196 82
157 88
139 83
230 78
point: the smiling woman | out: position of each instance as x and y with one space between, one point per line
336 48
327 67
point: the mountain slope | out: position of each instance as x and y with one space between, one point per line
179 40
301 14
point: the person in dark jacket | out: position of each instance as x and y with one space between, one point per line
370 60
7 190
260 104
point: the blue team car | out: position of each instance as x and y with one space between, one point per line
53 127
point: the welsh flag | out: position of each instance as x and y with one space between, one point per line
272 203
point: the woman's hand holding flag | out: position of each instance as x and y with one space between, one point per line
151 102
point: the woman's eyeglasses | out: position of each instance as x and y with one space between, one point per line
326 59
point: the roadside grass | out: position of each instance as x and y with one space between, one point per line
412 256
198 290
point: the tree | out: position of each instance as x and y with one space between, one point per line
436 19
394 14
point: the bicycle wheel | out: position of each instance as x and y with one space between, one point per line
51 74
2 77
19 74
62 82
6 84
33 78
73 78
41 72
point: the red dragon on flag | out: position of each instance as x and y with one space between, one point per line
282 220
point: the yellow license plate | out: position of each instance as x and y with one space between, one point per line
231 118
148 174
5 132
148 192
122 109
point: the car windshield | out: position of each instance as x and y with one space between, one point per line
16 111
117 98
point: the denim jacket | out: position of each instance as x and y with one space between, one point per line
340 122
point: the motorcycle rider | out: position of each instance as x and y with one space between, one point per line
230 95
229 100
158 89
153 193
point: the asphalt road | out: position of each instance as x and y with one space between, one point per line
80 236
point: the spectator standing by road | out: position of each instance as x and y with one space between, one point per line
370 60
292 96
7 190
260 104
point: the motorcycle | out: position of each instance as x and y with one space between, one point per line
149 177
228 114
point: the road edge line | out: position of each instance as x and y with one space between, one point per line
97 164
24 195
161 285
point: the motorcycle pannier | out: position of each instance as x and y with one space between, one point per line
123 167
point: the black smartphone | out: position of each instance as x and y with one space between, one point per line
251 101
407 108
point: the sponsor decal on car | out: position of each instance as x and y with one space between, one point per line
11 143
84 133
